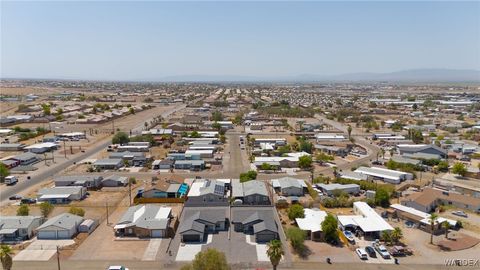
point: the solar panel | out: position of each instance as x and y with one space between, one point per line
220 190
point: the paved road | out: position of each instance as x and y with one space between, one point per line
235 160
145 265
359 137
56 168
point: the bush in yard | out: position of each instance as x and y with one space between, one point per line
296 211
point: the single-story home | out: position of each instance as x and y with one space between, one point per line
198 222
252 192
330 189
114 181
18 228
108 164
145 220
88 181
258 221
312 223
63 226
61 194
289 186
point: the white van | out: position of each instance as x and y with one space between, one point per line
10 180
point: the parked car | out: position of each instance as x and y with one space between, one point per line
460 213
409 224
15 197
400 251
371 252
382 251
361 253
28 201
349 236
117 267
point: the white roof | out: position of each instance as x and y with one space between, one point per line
41 145
381 172
368 220
195 188
312 221
425 216
54 196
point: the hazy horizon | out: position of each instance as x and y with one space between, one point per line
148 41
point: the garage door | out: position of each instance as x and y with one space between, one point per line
191 238
47 235
63 234
264 237
157 233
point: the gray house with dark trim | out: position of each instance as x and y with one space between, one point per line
257 221
198 222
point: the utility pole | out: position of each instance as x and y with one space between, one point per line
130 191
64 149
113 126
58 258
106 206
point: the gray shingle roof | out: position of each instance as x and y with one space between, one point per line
64 221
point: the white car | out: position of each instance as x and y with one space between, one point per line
383 251
361 253
117 267
460 213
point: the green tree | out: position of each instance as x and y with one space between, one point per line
265 167
382 197
76 211
297 238
459 168
46 208
416 135
397 234
296 211
433 219
329 228
275 252
387 237
250 175
305 146
195 134
4 172
217 116
120 138
446 227
210 259
216 126
305 162
324 157
442 166
131 110
23 210
6 257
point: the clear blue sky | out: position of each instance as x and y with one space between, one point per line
150 40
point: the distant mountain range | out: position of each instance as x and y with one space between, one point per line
413 75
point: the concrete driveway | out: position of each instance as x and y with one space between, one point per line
41 250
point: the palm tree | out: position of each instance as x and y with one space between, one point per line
349 130
446 227
397 234
433 219
6 257
382 152
392 151
387 236
275 252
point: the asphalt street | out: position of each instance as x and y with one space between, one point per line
56 168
